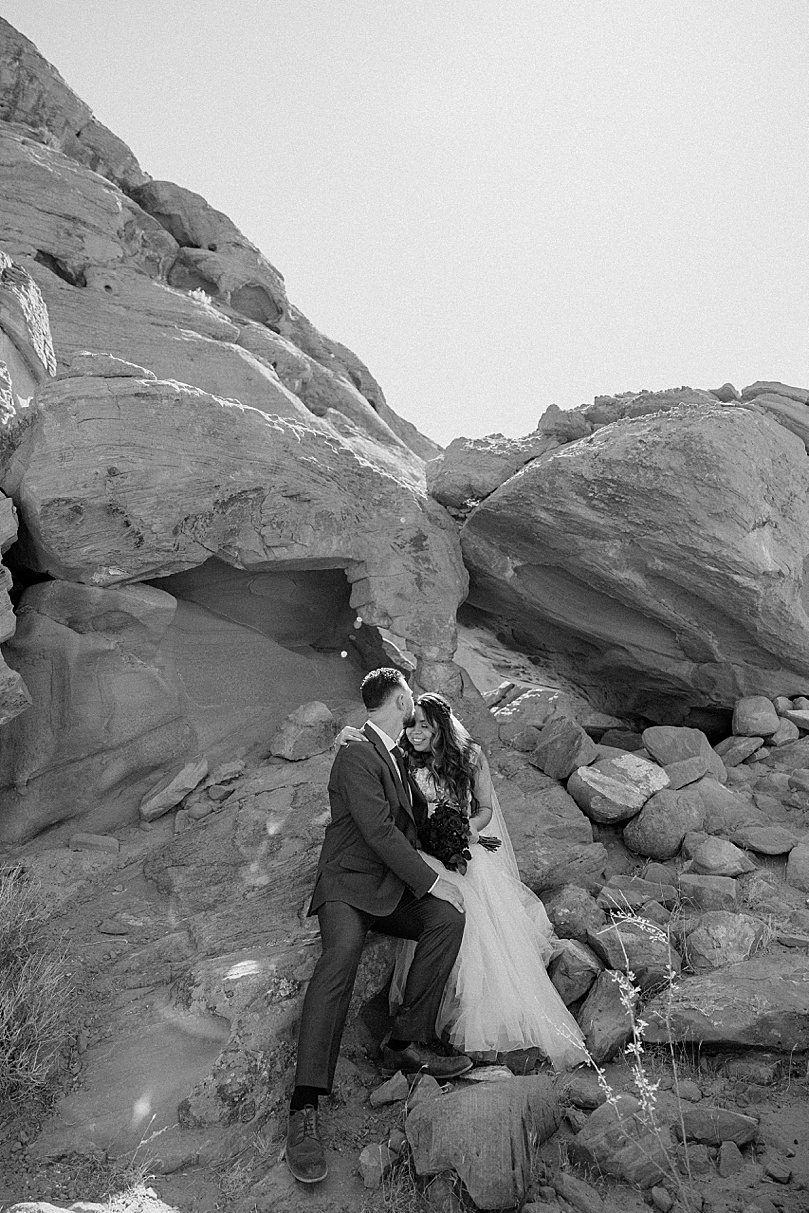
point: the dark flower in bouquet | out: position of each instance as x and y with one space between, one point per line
445 835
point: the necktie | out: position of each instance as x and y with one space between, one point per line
402 768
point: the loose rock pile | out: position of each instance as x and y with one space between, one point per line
692 868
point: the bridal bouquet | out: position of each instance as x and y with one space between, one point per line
445 835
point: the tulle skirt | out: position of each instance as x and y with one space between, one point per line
499 997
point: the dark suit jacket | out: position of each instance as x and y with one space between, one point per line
369 852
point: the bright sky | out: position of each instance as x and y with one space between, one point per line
497 204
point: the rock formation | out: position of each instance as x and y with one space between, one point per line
197 423
659 560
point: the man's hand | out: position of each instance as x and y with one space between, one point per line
447 891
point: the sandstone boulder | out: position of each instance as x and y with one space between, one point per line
573 970
671 743
600 552
605 1018
733 750
472 468
617 788
754 714
663 822
552 863
309 730
709 892
632 893
718 857
483 1135
767 840
618 1140
536 706
719 938
761 1003
797 873
561 747
637 948
573 911
127 479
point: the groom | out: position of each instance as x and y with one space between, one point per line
371 877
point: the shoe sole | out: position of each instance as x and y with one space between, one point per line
302 1179
386 1072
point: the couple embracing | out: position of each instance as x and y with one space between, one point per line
472 965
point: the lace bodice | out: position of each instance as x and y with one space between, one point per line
431 789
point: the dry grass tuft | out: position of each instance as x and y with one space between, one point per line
36 988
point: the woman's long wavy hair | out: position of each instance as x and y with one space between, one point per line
451 759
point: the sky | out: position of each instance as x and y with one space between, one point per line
496 204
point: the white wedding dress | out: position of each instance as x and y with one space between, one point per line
499 997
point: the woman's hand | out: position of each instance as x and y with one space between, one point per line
349 733
473 834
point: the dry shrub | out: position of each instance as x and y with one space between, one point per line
36 1007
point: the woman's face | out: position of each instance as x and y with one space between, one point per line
421 734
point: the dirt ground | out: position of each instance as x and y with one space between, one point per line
136 1055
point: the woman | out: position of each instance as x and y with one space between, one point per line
499 997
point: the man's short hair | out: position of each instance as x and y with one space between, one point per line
377 687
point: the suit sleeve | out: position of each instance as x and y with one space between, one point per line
359 784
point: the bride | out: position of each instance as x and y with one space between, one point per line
499 997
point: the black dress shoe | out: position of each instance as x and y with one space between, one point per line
303 1152
415 1059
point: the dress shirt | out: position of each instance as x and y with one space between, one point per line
392 748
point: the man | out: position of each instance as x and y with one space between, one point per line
370 876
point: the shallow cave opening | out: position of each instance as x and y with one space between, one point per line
60 268
304 608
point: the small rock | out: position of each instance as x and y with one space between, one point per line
730 1159
689 1090
219 791
661 1199
573 970
581 1195
778 1171
767 840
583 1090
712 1126
309 730
397 1141
709 892
754 714
374 1162
172 789
797 873
734 750
394 1089
787 731
562 747
424 1088
687 770
800 717
200 810
699 1159
718 857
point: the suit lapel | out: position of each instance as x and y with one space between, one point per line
385 754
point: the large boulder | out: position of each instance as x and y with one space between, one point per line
122 479
761 1003
472 468
660 560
